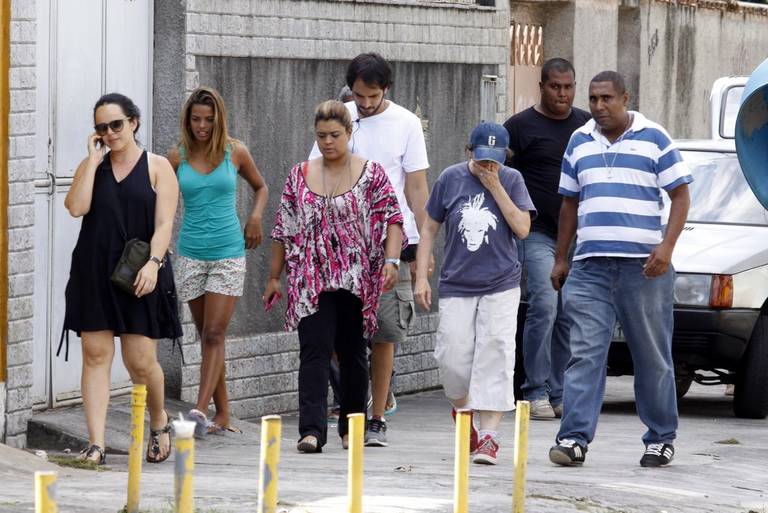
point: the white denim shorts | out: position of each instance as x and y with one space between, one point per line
475 349
196 277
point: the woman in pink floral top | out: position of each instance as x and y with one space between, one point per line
338 231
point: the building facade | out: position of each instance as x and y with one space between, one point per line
273 61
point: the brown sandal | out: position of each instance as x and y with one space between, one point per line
216 429
87 455
153 448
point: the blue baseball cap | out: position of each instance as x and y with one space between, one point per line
489 141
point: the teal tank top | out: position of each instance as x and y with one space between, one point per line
211 229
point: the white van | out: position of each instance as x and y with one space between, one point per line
721 260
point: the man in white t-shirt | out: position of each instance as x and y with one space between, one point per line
392 136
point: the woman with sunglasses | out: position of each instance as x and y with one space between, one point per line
126 193
338 231
211 264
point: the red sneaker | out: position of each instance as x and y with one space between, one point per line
472 430
487 451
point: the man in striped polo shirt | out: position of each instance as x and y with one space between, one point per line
612 174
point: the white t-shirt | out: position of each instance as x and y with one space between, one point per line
393 138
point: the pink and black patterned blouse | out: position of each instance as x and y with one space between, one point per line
336 244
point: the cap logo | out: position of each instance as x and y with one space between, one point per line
491 140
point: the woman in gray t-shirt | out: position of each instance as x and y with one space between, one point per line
484 206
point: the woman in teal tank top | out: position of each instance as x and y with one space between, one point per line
210 266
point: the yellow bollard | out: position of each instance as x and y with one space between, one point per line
185 464
45 492
135 451
355 479
461 465
522 419
270 457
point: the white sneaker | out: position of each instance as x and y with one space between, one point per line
542 410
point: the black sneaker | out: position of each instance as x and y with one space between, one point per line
376 434
567 453
657 455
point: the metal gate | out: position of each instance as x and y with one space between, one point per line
526 60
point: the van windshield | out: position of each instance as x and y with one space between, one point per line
719 192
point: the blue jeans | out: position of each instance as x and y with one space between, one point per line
545 336
597 292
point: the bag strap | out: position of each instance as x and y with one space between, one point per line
64 338
177 343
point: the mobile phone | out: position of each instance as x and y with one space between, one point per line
271 302
99 142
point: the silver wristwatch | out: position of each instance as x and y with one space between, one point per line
393 261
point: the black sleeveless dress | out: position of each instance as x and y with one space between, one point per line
119 212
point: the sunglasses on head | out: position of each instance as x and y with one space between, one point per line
115 125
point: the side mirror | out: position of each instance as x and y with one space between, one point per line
752 133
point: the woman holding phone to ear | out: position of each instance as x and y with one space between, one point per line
211 262
121 194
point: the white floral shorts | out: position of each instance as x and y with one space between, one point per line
196 277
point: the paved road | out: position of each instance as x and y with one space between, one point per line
414 474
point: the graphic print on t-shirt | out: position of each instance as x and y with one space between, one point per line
475 222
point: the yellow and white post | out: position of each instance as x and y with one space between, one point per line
522 420
271 427
135 451
461 464
355 478
185 465
45 492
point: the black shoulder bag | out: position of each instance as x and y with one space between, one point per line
135 256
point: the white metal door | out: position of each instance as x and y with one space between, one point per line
95 46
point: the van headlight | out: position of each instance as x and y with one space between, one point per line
693 289
710 290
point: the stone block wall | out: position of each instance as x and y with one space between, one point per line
262 370
18 401
401 30
265 55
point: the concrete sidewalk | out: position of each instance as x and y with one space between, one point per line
415 473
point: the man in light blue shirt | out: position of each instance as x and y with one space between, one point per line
613 173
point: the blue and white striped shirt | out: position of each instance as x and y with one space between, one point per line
619 187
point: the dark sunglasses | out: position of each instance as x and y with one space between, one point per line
115 125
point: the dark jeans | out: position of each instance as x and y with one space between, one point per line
336 326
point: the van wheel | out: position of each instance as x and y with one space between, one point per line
750 398
683 384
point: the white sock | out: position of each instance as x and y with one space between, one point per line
492 434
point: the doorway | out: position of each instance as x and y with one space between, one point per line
84 49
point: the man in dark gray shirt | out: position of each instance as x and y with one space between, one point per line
538 137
